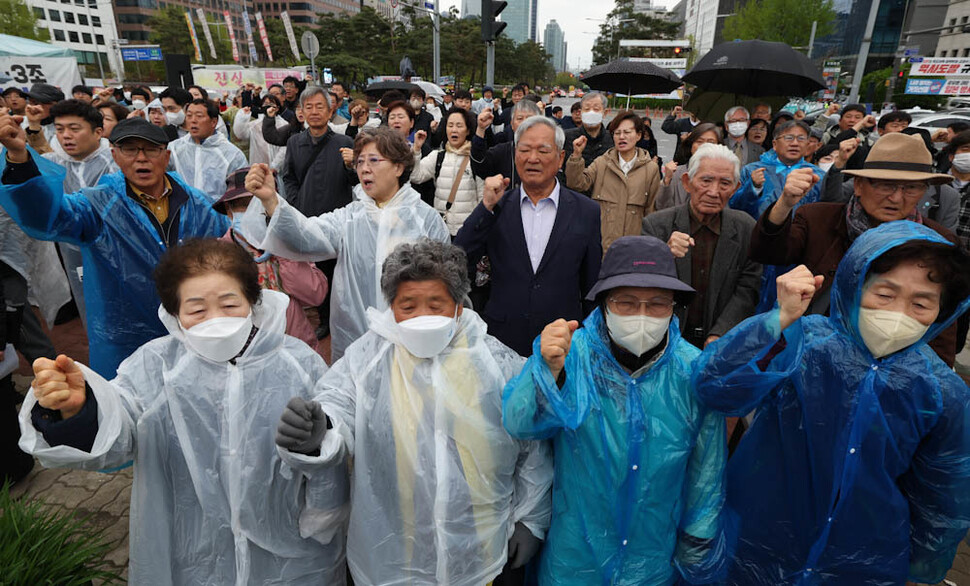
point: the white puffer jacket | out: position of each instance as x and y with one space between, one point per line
469 190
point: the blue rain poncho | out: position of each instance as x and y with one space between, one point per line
359 235
438 484
855 471
212 502
638 489
79 174
119 248
205 166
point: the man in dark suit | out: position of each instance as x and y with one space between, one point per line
710 243
542 241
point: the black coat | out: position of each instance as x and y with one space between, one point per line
322 184
595 146
522 302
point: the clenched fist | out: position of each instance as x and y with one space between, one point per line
13 137
261 183
495 187
59 384
419 138
579 145
758 177
679 243
554 344
795 291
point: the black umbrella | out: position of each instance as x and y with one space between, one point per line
711 106
378 88
624 76
756 68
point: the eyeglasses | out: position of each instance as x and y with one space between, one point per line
630 305
793 138
369 161
887 188
131 151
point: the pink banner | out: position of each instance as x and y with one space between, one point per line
232 35
262 34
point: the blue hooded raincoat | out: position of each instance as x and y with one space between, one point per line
639 464
119 249
856 470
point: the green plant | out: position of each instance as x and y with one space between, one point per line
40 546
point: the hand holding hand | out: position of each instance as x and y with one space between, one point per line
495 187
679 243
59 384
554 344
302 427
795 291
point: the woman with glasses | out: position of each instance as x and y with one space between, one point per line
672 192
386 211
639 465
623 181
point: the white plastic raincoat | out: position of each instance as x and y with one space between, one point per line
78 175
245 127
212 502
438 484
205 166
359 235
36 261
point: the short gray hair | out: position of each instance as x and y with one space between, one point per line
732 111
426 260
316 90
543 121
591 95
527 106
714 152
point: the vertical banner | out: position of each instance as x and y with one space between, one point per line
285 17
262 34
248 28
208 34
830 75
232 35
195 39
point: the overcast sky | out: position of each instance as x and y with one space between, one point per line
571 16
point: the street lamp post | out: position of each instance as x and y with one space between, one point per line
436 39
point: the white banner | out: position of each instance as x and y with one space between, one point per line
285 17
208 33
942 66
26 71
248 28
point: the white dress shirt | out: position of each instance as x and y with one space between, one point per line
537 223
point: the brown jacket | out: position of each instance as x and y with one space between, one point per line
624 200
817 236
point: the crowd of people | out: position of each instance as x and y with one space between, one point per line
553 357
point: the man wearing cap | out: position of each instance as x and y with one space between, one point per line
639 464
889 186
16 100
43 95
123 226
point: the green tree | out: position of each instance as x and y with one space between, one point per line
17 19
171 33
624 23
786 21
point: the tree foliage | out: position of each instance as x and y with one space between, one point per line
17 19
623 22
171 33
787 21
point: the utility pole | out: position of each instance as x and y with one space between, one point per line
436 37
860 64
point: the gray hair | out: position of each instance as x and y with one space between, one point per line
541 121
591 95
528 106
426 260
734 110
316 90
787 125
713 152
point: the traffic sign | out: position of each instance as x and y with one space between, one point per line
143 53
915 59
310 45
911 52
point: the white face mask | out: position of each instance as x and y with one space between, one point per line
416 104
737 129
175 118
826 166
885 332
221 338
138 104
592 118
961 163
636 333
427 336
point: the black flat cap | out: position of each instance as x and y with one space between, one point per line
138 128
45 93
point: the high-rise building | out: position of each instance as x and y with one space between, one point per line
86 27
553 41
471 8
520 16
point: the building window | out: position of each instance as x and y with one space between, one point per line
964 19
72 35
54 16
59 35
99 40
82 19
86 37
96 21
39 12
69 17
966 52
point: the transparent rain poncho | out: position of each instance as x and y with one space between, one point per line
438 484
120 247
359 235
855 471
639 488
212 502
205 166
78 175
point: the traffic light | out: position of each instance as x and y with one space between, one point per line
900 74
492 28
677 50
